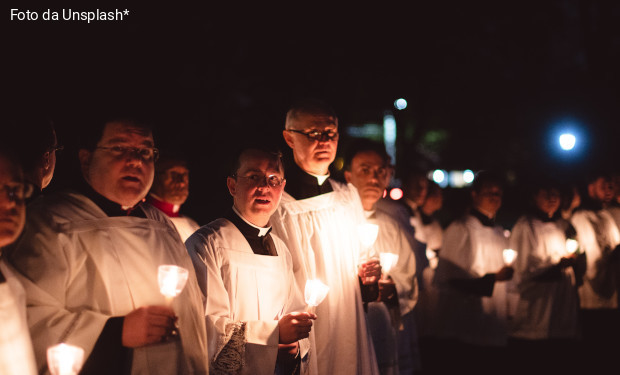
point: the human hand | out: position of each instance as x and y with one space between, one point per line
504 274
567 261
387 290
148 325
369 271
295 326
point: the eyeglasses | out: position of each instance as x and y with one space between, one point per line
380 172
315 135
146 153
17 192
257 180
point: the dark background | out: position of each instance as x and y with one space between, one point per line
488 82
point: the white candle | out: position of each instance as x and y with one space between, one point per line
388 261
63 359
172 280
509 256
571 245
315 292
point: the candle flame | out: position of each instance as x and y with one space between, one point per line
63 359
509 256
315 292
171 279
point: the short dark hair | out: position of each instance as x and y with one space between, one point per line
265 150
91 135
364 145
308 106
486 178
29 137
168 160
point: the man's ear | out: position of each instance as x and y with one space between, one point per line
46 161
85 157
347 176
288 138
232 185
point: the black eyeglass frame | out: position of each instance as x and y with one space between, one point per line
318 136
133 150
261 179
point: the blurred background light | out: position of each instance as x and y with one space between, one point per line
567 141
400 104
396 194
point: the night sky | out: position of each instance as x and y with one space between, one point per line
487 82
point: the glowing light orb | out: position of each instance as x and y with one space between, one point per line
468 176
439 176
396 194
567 141
509 256
400 104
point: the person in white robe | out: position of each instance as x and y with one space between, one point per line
89 258
16 355
318 219
367 167
170 191
545 324
472 301
254 308
599 239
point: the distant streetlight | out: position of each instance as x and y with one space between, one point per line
400 104
567 141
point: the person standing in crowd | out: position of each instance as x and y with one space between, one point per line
367 167
545 323
599 239
256 322
170 191
33 139
317 219
16 356
470 277
89 257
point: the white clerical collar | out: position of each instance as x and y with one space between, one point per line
370 213
320 179
261 231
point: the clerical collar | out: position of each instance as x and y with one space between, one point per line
543 216
484 219
172 210
109 207
302 185
261 231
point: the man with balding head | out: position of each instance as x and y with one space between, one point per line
318 219
89 261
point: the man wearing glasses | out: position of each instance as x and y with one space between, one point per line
89 258
16 357
318 219
256 322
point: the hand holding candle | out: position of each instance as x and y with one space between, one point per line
315 292
172 280
63 359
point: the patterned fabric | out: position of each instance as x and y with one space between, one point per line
231 356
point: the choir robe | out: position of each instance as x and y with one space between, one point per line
597 235
16 356
471 251
321 233
391 327
548 303
80 267
185 226
246 294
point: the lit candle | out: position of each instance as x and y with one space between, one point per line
509 256
63 359
388 261
571 245
172 280
315 292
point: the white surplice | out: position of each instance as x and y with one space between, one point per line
471 250
16 356
80 267
185 226
246 295
597 235
545 309
321 234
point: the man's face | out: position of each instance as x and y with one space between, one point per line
313 156
255 199
547 201
601 190
122 176
370 174
51 164
12 208
417 188
172 186
489 199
